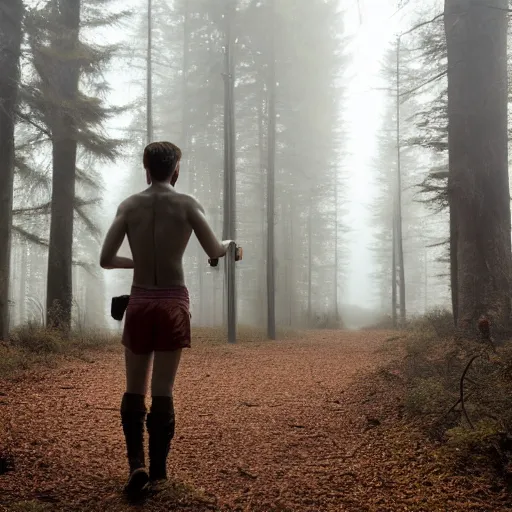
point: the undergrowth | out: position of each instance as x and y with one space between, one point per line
461 391
31 344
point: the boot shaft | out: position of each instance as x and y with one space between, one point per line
160 423
133 413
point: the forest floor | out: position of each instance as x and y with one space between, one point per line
313 424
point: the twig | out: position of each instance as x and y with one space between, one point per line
34 124
422 24
452 408
462 404
249 404
246 473
423 84
484 326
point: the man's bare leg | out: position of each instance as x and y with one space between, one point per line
133 413
160 421
138 367
165 368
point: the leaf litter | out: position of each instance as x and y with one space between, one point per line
313 424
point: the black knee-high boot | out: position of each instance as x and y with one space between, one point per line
160 424
133 413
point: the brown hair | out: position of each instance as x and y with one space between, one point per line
160 159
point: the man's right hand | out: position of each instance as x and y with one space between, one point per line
226 244
213 262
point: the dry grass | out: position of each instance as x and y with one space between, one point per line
32 345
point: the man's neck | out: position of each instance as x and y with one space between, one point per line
161 185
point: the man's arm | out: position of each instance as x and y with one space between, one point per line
204 233
115 236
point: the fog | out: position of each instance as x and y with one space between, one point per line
335 165
358 152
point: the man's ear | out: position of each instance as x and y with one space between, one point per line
148 177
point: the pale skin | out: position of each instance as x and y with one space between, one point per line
158 223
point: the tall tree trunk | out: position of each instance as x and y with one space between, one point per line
60 254
310 261
263 160
78 303
477 137
11 14
271 148
185 113
454 268
337 317
149 76
394 278
14 271
399 235
289 264
23 281
425 279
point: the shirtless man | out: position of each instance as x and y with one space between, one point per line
158 223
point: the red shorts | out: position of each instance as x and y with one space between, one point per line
157 320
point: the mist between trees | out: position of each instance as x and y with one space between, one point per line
279 72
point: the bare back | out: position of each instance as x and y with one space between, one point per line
158 223
158 233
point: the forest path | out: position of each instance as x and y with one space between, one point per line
260 427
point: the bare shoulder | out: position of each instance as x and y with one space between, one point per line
131 202
128 202
191 203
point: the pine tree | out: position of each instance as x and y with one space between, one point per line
11 15
478 180
394 149
58 101
271 169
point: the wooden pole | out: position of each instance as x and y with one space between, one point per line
229 231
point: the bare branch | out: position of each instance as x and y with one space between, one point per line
422 24
429 81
